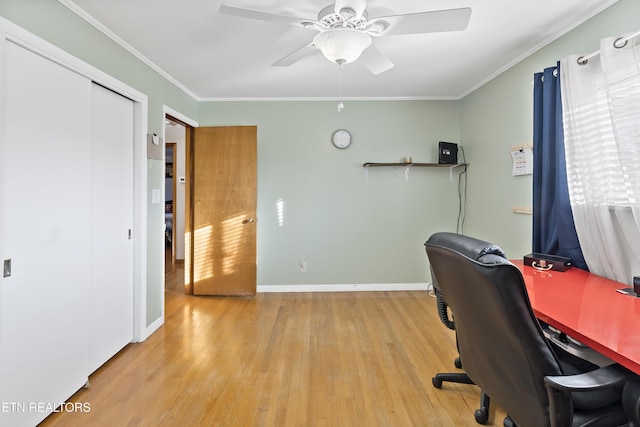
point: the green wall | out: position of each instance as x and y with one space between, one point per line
349 229
499 115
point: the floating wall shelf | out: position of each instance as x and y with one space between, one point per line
451 167
431 165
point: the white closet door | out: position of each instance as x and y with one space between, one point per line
45 161
111 307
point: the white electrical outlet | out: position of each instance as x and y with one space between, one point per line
303 266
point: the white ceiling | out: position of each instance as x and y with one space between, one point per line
220 57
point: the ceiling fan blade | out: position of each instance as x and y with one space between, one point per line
296 55
260 16
428 22
375 61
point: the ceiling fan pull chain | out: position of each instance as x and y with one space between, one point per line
340 104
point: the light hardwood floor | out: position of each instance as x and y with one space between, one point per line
288 359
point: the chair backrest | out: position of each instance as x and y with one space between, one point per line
470 247
474 249
501 344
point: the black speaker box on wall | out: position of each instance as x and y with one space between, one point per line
447 153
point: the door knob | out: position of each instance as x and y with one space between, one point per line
247 221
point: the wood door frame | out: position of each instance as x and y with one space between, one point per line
189 126
190 141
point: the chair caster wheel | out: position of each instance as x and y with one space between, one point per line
458 363
437 383
508 422
481 415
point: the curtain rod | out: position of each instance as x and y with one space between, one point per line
619 43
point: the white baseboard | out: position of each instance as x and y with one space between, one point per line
152 328
344 288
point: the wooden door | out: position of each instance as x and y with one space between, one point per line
221 233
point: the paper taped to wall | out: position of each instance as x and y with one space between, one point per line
522 158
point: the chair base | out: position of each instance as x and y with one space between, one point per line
450 377
482 413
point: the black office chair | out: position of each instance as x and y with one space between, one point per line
475 250
503 349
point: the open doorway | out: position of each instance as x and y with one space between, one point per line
169 196
175 140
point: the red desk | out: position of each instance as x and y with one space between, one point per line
588 308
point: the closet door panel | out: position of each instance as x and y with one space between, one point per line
44 222
111 293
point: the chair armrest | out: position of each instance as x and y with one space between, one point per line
608 376
631 402
560 387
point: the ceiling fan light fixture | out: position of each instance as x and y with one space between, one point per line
342 44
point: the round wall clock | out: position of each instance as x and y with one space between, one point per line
341 138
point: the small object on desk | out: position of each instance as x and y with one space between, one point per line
628 291
635 290
546 262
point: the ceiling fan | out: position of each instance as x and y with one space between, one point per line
346 33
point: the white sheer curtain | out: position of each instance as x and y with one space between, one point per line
601 115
